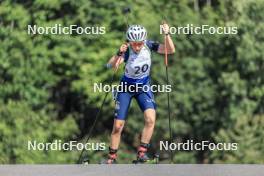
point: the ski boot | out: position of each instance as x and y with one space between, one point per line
111 157
142 156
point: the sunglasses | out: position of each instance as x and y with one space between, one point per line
137 43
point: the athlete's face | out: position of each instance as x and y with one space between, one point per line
137 46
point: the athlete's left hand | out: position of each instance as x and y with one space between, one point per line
165 28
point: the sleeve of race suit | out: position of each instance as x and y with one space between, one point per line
126 55
153 45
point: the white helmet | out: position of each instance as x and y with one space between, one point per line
136 33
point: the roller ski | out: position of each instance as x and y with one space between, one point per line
111 159
154 160
84 160
143 158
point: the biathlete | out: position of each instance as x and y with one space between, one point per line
136 54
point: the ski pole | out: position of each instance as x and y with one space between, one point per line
126 11
168 94
100 110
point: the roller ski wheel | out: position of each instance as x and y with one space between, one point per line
85 161
110 160
154 160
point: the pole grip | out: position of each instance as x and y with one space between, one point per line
166 51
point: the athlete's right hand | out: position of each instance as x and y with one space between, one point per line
117 59
123 48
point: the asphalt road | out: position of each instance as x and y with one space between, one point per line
132 170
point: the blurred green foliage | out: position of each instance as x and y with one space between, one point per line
46 90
